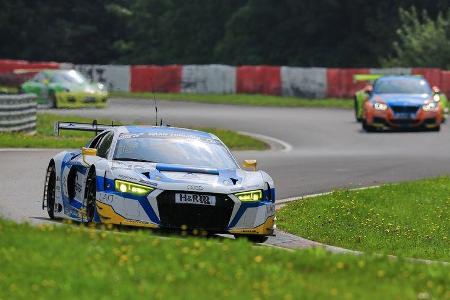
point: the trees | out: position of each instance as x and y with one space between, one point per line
329 33
421 41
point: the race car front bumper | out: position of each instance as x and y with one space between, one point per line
160 210
390 119
81 99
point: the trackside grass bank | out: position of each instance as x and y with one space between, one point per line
242 99
73 262
407 219
44 138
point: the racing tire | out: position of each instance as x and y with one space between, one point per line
51 191
90 196
358 119
252 237
52 103
367 127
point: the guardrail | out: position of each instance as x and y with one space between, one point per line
18 113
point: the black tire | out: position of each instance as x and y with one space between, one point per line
252 237
51 190
90 195
366 127
358 119
52 100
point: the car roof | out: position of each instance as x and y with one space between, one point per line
401 77
165 130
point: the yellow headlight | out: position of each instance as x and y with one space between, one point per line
250 196
132 188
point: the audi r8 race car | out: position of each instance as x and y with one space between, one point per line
159 177
402 102
65 89
364 94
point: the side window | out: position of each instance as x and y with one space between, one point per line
105 145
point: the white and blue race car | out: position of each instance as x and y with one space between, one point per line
159 177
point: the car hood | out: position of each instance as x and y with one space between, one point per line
402 99
179 177
84 87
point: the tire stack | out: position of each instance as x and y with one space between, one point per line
18 113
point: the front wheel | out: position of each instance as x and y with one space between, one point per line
50 190
90 196
367 127
252 237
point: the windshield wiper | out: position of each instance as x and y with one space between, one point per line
133 159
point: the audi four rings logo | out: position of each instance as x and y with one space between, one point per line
195 187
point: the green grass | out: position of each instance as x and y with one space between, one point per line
406 219
68 262
242 99
44 138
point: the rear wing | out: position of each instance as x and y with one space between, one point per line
92 127
366 77
373 77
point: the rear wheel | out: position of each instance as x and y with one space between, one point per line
50 191
90 196
52 100
358 119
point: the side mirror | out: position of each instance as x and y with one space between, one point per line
88 151
250 163
436 90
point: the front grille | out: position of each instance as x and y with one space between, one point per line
89 100
404 122
194 216
405 109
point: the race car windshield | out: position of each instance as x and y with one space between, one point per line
402 86
175 150
71 76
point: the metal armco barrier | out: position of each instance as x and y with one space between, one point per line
18 113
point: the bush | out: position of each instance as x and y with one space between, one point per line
421 41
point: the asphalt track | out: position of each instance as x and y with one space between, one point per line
326 150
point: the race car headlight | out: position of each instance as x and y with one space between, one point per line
250 196
430 106
436 97
132 188
380 106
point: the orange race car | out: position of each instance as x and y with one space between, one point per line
402 102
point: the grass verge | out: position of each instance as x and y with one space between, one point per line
242 99
68 262
406 219
44 138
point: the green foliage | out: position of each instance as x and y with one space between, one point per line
407 219
422 41
44 137
332 33
78 262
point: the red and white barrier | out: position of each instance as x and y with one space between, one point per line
304 82
222 79
258 80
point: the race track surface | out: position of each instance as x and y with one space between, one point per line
329 150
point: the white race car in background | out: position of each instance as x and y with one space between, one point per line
159 177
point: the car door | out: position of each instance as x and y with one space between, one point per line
74 177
